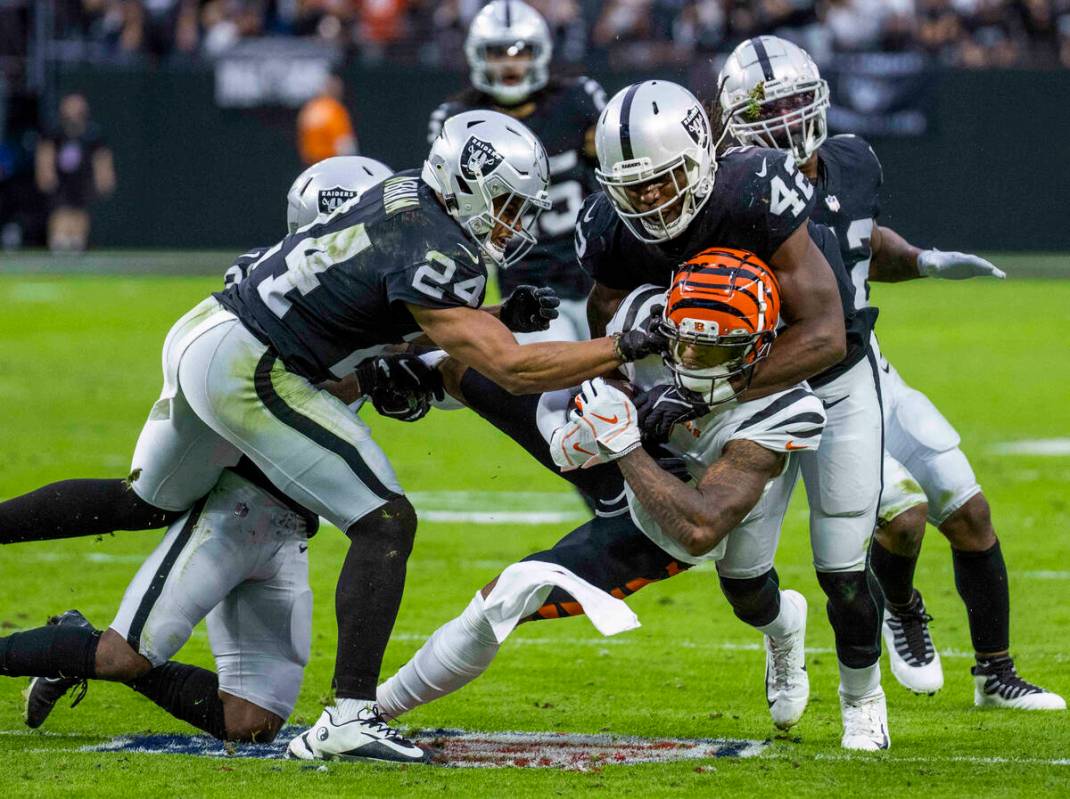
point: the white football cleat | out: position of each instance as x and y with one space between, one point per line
865 722
366 737
787 685
997 684
914 660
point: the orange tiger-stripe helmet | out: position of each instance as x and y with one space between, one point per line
721 315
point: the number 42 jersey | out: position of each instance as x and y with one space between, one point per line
336 291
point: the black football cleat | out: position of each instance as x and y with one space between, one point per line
44 692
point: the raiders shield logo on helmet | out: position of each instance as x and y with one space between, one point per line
330 200
695 125
478 158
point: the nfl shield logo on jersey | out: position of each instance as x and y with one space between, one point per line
695 125
330 200
478 159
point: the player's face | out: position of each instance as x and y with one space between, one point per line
693 355
662 192
508 218
510 64
783 108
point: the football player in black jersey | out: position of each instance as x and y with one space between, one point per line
665 197
771 95
508 49
241 371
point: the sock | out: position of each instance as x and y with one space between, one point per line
787 621
58 650
854 615
755 600
981 579
189 693
73 508
894 573
368 595
457 653
858 683
347 709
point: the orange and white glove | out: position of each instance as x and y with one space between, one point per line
572 445
611 417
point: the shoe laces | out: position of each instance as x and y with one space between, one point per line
375 722
914 629
782 665
79 690
1002 678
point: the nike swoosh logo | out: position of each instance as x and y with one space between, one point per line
470 255
791 446
764 169
587 216
887 368
834 402
578 448
605 419
302 547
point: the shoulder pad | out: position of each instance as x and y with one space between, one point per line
594 219
790 421
635 308
857 154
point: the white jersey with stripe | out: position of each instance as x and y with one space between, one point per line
789 421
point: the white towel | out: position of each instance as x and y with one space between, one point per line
523 587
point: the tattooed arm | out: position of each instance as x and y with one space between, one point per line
699 516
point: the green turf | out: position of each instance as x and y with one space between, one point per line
79 368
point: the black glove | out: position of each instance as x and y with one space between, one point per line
647 339
663 406
400 386
529 309
668 461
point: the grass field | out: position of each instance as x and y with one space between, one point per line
79 368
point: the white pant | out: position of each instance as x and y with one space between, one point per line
923 461
239 559
843 478
225 394
570 325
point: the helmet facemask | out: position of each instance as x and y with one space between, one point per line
701 361
494 63
505 229
681 180
782 116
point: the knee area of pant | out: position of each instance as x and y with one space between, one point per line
747 588
844 588
389 530
904 533
970 527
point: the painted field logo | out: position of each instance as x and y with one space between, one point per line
464 749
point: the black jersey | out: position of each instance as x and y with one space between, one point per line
336 291
563 113
848 185
239 270
759 199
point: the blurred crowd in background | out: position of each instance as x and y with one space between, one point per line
965 33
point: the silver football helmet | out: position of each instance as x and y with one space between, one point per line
772 95
324 187
502 31
492 175
655 158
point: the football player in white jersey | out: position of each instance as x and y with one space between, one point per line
725 505
772 95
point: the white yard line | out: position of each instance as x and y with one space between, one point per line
1051 447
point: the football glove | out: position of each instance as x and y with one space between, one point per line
664 406
400 386
572 445
646 339
956 266
611 417
529 309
